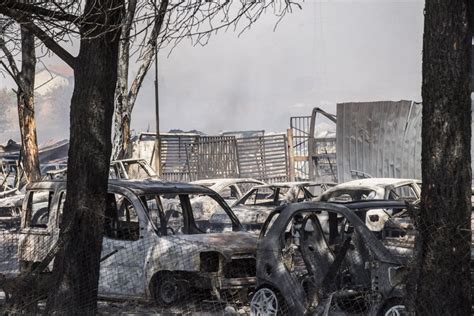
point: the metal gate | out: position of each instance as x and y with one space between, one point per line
314 154
300 126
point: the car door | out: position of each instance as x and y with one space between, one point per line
123 247
39 232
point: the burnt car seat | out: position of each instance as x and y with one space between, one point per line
110 220
317 255
355 259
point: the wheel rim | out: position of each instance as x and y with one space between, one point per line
396 310
264 303
168 292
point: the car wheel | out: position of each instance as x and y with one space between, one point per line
394 308
168 290
266 302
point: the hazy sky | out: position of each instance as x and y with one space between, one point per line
329 52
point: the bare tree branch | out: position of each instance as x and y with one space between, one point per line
35 10
11 61
39 33
149 54
8 70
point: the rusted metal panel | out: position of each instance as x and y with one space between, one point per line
174 153
213 157
188 157
381 139
263 157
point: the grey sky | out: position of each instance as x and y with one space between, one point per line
329 52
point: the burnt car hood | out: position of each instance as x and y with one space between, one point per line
226 243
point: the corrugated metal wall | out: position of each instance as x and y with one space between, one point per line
381 139
188 157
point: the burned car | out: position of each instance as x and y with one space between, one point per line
321 258
374 189
152 249
254 207
230 189
131 169
127 169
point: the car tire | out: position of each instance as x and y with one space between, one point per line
267 301
169 290
393 307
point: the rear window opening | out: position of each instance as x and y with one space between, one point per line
38 209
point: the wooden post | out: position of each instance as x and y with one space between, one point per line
291 155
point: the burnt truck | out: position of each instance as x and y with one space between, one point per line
154 248
317 258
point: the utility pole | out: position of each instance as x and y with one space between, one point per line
157 113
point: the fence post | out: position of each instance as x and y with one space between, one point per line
291 155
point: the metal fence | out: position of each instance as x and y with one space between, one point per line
213 157
174 153
188 157
263 157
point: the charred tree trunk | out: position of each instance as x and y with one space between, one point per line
125 100
122 108
76 266
122 112
26 108
444 283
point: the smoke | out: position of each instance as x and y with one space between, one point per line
329 52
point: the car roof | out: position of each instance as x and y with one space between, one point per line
139 187
226 180
379 182
291 184
371 184
371 204
128 160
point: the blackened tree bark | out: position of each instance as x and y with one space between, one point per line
26 107
76 266
444 284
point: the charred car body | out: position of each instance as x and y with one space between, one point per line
255 206
136 169
320 258
230 189
127 169
373 189
151 249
